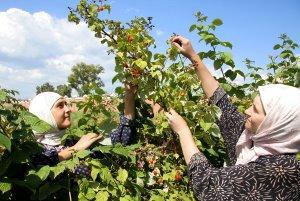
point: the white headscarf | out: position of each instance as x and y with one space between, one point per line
279 133
41 107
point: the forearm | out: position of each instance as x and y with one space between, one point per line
129 105
187 143
208 82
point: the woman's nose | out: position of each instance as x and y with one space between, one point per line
67 108
247 113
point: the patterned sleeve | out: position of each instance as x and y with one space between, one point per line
49 156
209 183
124 132
231 122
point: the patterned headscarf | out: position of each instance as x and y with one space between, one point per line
41 107
279 133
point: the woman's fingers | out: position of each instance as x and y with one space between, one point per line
149 102
99 137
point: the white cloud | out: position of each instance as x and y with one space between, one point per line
37 48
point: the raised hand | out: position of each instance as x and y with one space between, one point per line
184 46
177 123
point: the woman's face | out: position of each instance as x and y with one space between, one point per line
61 113
256 114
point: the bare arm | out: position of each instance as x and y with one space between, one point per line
129 105
180 127
208 82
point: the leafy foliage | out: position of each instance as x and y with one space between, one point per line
44 88
82 75
152 168
64 90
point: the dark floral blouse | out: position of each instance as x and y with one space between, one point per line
123 134
267 178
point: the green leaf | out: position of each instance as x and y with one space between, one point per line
4 187
43 172
83 153
212 152
90 194
240 73
227 44
102 196
231 74
3 95
141 64
5 141
277 46
205 125
217 22
193 27
106 175
218 64
122 175
94 173
57 170
36 123
227 56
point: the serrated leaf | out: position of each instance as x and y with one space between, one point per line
122 175
102 196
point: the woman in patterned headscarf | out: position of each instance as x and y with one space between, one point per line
261 144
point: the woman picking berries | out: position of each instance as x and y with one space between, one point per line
53 109
262 143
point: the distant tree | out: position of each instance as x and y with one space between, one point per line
83 75
44 87
64 90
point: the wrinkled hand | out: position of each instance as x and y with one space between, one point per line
184 46
86 141
155 106
177 123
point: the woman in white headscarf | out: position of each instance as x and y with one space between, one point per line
53 109
262 144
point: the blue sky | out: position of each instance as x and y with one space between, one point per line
253 28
